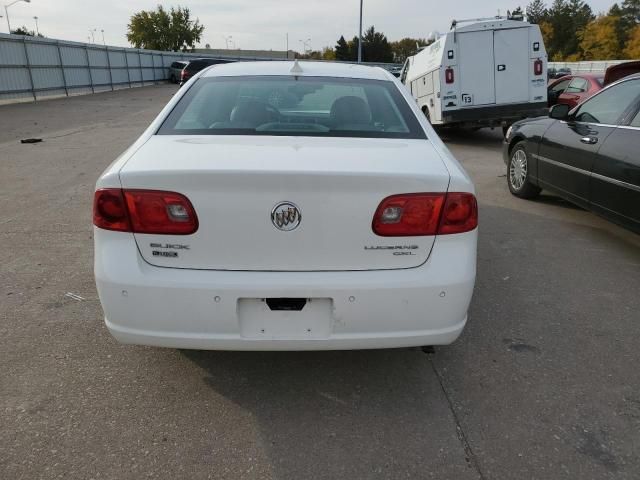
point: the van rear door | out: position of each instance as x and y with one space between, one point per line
512 65
477 80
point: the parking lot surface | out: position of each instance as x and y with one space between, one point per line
544 382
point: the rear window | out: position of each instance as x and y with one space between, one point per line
196 65
293 106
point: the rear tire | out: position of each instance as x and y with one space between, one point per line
518 173
425 110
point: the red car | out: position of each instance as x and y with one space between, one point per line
574 89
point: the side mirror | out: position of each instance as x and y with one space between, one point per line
559 111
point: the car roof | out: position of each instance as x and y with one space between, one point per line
592 76
311 69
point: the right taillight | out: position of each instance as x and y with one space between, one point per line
424 214
537 67
183 75
144 211
449 76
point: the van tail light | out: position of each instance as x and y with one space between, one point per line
537 67
425 214
183 75
144 211
449 76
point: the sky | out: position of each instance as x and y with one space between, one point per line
259 24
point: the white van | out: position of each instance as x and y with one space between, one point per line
491 72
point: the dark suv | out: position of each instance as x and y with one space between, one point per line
196 65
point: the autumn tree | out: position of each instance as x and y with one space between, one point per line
599 39
405 48
632 48
328 53
546 29
164 30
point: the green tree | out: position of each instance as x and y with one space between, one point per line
353 49
164 30
599 40
342 49
405 48
376 47
516 12
568 19
26 32
536 11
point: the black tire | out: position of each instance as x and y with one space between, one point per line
425 110
173 79
518 173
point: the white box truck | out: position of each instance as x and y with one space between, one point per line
491 72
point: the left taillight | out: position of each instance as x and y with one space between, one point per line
144 211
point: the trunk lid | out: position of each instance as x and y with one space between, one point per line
234 183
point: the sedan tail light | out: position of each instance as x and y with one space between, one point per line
144 211
425 214
449 76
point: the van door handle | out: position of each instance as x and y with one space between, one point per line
589 140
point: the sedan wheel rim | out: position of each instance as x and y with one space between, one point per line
518 169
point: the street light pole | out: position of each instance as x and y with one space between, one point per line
37 29
103 42
305 45
6 11
360 36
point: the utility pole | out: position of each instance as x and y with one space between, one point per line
360 36
287 50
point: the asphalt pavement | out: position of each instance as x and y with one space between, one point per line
543 384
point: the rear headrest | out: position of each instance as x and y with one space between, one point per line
350 110
250 113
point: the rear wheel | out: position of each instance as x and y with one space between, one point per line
518 173
425 110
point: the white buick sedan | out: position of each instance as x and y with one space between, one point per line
286 206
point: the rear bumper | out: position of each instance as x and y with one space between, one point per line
221 310
496 114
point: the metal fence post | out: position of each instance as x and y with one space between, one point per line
86 52
26 56
64 78
126 62
141 73
106 50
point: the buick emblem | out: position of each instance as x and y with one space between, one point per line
286 216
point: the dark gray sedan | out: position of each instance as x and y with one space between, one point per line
589 155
